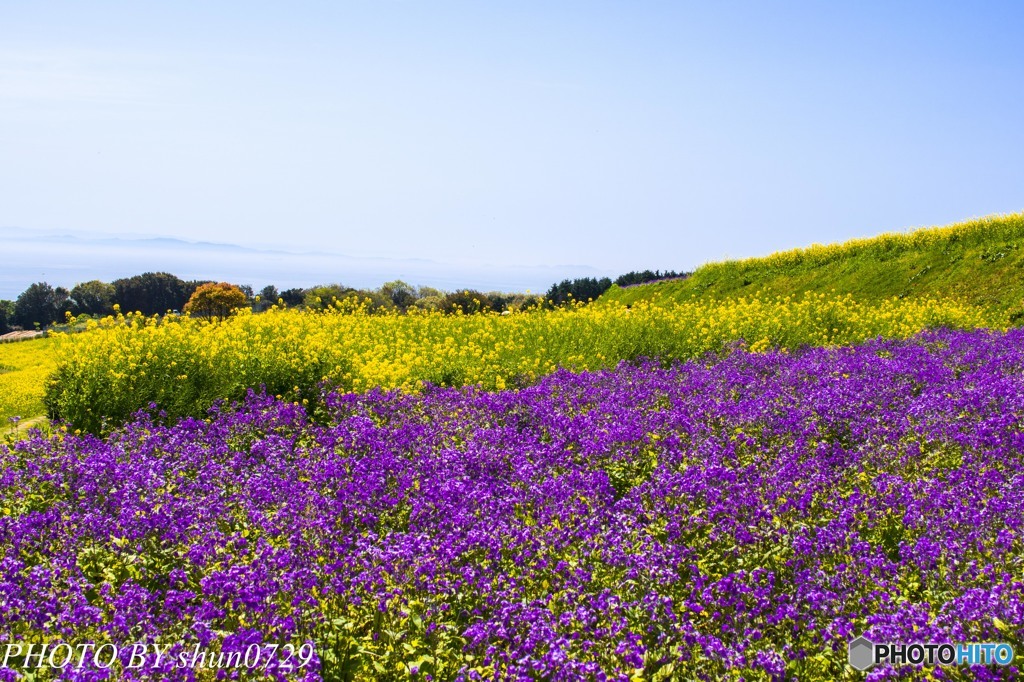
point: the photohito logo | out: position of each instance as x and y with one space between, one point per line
865 654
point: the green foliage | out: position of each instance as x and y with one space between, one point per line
429 291
40 305
979 262
153 293
292 298
583 289
431 302
323 296
268 296
467 301
92 298
340 297
374 301
401 294
635 277
6 316
626 470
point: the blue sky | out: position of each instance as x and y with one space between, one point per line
619 136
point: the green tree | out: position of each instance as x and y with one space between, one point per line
41 305
152 293
401 294
524 301
92 298
430 302
582 289
634 277
293 297
268 297
500 301
374 300
323 296
215 301
467 300
6 316
430 298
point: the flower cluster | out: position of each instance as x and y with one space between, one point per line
740 517
184 364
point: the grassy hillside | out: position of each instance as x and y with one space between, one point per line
980 262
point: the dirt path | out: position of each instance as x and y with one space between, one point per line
25 424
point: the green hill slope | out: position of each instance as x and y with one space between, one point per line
980 262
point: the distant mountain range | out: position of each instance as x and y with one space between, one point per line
65 259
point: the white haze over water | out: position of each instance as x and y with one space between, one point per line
64 259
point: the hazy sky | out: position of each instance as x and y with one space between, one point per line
621 135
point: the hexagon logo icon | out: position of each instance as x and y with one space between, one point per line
862 653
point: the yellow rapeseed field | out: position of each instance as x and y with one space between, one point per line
182 364
24 366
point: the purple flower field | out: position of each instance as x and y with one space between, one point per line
734 518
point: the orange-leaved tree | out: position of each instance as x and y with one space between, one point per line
215 301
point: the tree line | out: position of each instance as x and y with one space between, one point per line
584 289
159 293
41 305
